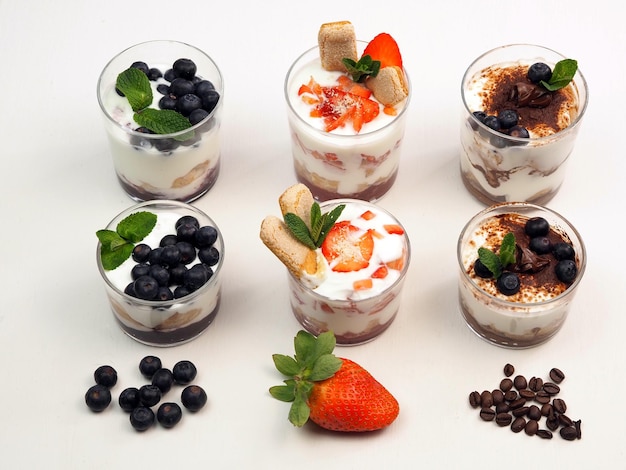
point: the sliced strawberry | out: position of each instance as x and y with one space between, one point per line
368 215
394 229
397 264
362 284
347 248
380 273
385 49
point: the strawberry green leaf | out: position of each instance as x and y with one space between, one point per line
135 85
325 343
286 393
491 261
304 345
136 226
563 73
299 412
507 250
325 367
286 365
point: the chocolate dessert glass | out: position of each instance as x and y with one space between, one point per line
358 166
176 166
170 322
499 168
353 321
514 324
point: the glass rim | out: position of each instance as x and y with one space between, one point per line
325 134
572 126
564 224
403 272
163 304
159 136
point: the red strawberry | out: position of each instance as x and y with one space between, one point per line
385 49
335 393
348 248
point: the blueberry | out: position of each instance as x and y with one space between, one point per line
169 75
129 399
140 141
209 255
186 232
540 245
155 255
508 283
538 72
203 87
141 418
195 277
149 365
492 122
481 270
519 132
163 89
197 115
169 415
160 274
141 252
193 397
106 376
205 236
164 294
168 240
130 289
187 219
167 102
163 379
154 74
184 372
566 270
141 66
98 397
180 87
177 274
563 251
508 118
149 395
187 252
536 226
209 271
210 100
166 145
188 103
146 287
184 68
182 291
170 255
139 270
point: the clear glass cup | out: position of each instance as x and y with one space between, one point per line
161 166
359 319
170 322
335 165
508 323
499 168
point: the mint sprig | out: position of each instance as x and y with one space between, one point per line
117 245
496 263
365 67
563 73
320 225
135 86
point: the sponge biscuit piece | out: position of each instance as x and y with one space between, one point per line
337 41
389 86
298 200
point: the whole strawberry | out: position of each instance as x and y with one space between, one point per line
335 393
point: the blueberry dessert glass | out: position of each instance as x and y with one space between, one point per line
177 165
516 135
191 273
540 268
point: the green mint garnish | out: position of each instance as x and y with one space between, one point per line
135 85
117 246
496 263
365 67
320 225
563 73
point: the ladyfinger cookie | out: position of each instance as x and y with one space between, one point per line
298 200
389 86
336 40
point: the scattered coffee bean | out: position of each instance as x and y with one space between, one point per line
503 419
519 424
509 370
535 384
534 412
515 404
511 395
527 394
551 388
497 396
556 375
531 428
559 405
564 420
542 397
520 382
578 427
486 400
474 399
521 411
487 414
568 433
503 407
506 385
552 422
544 434
546 409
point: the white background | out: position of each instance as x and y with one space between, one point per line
57 187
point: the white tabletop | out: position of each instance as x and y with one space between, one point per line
58 187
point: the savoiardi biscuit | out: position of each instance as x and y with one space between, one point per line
337 41
389 86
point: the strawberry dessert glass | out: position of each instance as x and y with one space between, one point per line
153 161
365 260
345 142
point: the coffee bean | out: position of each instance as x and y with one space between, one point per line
506 385
568 433
503 419
520 382
511 395
552 423
564 420
535 384
474 399
556 375
544 434
509 370
546 409
521 411
559 405
498 397
527 394
534 412
515 404
486 400
542 397
519 424
487 414
551 388
578 427
531 428
502 408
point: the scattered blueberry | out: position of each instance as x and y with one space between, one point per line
180 87
481 270
184 68
155 255
177 274
105 376
129 399
139 270
538 72
508 118
188 103
193 397
146 287
169 239
142 418
141 252
169 414
167 102
154 74
195 277
141 66
163 89
508 283
203 87
537 226
197 115
205 236
171 255
164 294
187 252
209 255
149 365
186 232
210 100
519 132
566 270
184 372
187 219
540 245
98 397
149 395
163 379
563 251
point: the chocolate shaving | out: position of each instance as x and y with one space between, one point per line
527 94
527 261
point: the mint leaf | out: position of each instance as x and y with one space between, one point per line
491 261
299 230
563 73
136 87
365 67
328 220
112 258
164 121
136 226
320 225
507 250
